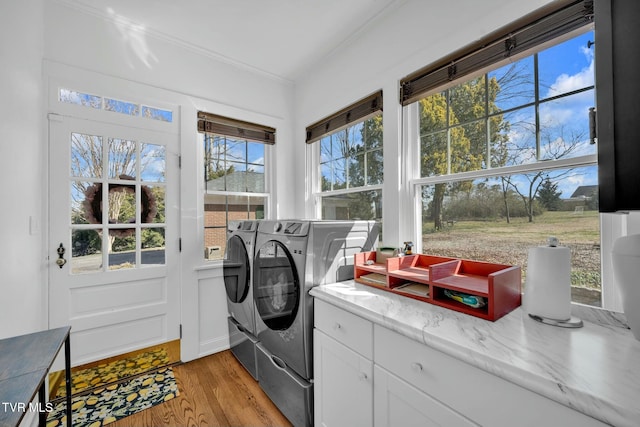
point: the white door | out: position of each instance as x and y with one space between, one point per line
114 255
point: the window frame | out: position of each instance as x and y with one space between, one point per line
411 144
317 193
235 126
359 112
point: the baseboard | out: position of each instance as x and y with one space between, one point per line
215 345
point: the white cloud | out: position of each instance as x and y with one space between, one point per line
565 83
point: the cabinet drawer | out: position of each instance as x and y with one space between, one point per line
397 403
347 328
474 393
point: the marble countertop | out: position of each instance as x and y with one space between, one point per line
594 369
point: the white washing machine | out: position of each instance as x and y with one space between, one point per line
238 271
291 257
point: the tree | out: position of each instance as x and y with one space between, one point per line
528 196
557 141
218 152
548 195
455 135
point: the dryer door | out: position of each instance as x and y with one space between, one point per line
236 270
276 286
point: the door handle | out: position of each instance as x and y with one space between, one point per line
61 261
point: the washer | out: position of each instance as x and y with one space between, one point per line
238 271
291 257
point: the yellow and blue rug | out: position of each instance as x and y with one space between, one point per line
107 404
95 375
108 390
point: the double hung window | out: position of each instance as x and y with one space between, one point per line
350 161
506 148
234 175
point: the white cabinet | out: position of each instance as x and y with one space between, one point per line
343 385
368 375
343 377
397 403
470 393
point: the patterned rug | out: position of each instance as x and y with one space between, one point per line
83 379
107 404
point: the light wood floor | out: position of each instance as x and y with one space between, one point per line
214 391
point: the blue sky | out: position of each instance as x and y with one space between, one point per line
563 68
570 66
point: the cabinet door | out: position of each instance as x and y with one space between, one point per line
343 384
397 403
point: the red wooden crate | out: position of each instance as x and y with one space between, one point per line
498 284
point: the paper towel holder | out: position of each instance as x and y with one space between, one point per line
558 318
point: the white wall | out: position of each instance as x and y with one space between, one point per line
22 286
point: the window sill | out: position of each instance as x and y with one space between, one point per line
209 265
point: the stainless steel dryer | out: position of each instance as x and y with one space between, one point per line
291 257
238 270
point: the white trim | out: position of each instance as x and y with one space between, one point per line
349 190
61 76
612 226
235 193
565 163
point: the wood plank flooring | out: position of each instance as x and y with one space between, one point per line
215 390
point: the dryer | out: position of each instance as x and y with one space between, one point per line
237 272
291 257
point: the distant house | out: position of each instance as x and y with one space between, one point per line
585 192
585 197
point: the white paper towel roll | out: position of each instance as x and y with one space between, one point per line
547 291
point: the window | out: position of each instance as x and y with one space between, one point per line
130 175
114 105
350 161
506 158
234 176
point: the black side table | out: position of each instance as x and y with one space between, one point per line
25 361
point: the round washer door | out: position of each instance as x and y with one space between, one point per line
276 286
235 269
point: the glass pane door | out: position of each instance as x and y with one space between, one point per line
117 203
276 288
236 270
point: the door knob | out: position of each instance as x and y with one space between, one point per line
61 261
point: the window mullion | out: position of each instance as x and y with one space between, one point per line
487 126
448 122
536 90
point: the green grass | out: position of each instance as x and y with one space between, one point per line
508 243
580 228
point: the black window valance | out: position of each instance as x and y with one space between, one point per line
524 34
212 123
358 111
